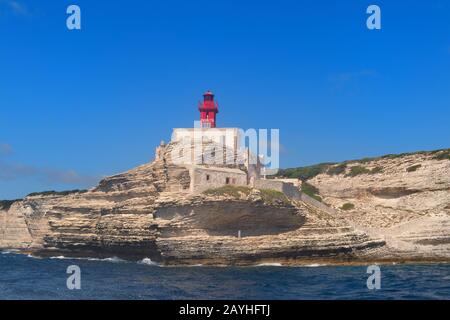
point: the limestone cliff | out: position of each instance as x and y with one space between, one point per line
405 199
148 212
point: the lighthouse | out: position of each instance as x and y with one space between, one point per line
208 109
207 129
214 156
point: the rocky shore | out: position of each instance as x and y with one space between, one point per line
396 215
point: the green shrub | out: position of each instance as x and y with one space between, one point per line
336 170
270 196
413 168
331 168
394 156
376 170
304 173
6 204
55 193
366 160
357 170
311 191
443 155
234 191
348 206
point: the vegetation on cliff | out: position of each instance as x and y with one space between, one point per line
232 191
268 196
55 193
443 155
348 206
332 168
336 170
304 173
311 191
357 170
6 204
273 197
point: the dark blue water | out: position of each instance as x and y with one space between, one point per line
23 277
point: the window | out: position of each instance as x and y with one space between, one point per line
207 177
227 180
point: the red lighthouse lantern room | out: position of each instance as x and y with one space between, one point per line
208 110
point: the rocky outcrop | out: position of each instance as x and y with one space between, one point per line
176 228
148 212
14 232
403 199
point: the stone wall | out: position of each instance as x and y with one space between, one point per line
203 178
295 182
291 191
315 203
287 188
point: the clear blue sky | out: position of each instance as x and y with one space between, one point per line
77 105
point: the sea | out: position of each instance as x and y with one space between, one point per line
28 277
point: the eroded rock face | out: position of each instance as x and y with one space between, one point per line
148 212
288 234
405 200
176 228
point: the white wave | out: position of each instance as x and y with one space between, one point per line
149 262
111 259
313 265
12 251
269 264
114 259
34 257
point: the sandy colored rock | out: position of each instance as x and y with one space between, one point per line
148 212
406 203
